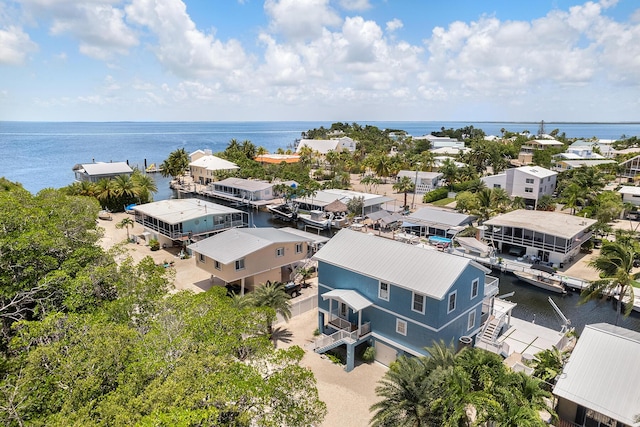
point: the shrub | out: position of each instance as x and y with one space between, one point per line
369 354
437 194
154 245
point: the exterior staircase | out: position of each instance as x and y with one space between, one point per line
327 342
491 330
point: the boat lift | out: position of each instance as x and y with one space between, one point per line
565 322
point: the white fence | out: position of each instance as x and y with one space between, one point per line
301 306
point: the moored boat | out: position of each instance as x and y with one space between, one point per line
318 219
543 280
284 212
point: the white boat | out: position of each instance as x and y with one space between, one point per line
547 281
636 302
317 219
284 212
105 215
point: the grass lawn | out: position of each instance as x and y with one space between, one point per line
443 202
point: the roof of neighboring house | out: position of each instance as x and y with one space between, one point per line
586 162
549 142
213 163
175 211
322 146
421 174
603 372
628 189
439 216
450 150
244 184
350 297
325 197
316 238
237 243
537 171
395 262
111 168
277 158
554 223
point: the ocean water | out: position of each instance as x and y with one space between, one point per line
42 154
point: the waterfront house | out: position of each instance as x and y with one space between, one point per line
176 222
323 146
322 198
204 166
440 141
564 164
94 172
630 194
551 237
396 297
248 257
241 190
429 221
528 182
423 181
630 169
599 384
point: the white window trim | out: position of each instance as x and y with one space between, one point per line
299 248
380 290
243 266
398 330
201 258
477 283
279 252
217 265
424 302
472 315
455 301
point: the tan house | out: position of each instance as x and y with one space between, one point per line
249 257
204 166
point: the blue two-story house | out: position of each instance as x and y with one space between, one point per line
397 297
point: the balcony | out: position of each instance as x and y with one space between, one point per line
490 286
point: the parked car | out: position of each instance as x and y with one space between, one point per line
293 289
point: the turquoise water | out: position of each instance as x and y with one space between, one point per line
42 154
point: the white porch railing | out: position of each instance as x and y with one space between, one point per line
327 342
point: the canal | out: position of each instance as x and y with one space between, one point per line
533 304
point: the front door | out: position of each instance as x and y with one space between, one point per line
344 311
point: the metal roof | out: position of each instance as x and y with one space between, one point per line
324 197
114 168
350 297
175 211
603 372
315 238
244 184
627 189
428 272
537 171
439 216
213 163
553 223
237 243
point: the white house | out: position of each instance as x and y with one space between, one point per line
440 141
94 172
204 165
323 146
528 182
630 194
423 181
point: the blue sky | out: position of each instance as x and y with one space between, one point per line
326 60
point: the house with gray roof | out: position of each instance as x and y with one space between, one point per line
94 172
248 257
176 222
397 297
430 221
552 237
599 384
204 166
250 191
528 182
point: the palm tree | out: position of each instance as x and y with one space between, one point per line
614 263
404 186
124 186
104 190
406 394
449 172
126 223
144 186
272 295
176 164
382 166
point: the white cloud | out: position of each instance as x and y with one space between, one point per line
181 47
300 19
394 25
360 5
98 26
15 45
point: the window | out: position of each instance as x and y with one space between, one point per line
383 291
529 180
240 264
496 185
201 257
418 303
474 288
280 252
452 302
343 309
528 190
471 320
298 248
217 265
401 327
